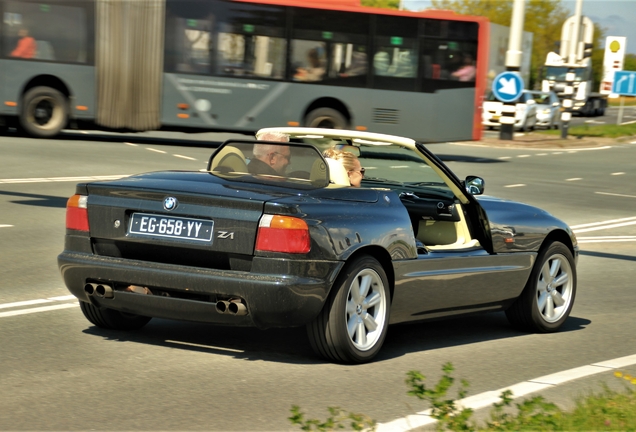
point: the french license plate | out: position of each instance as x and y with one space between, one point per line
171 227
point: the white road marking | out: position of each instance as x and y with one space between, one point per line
154 150
618 173
607 222
52 307
505 157
184 157
524 156
205 346
130 144
557 153
398 166
616 239
518 390
6 226
618 225
62 179
574 179
541 154
36 310
613 194
515 185
24 303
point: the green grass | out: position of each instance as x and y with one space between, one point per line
605 411
606 131
628 101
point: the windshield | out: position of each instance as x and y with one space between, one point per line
282 164
557 73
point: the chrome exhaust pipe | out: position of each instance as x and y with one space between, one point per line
104 291
222 306
236 307
89 288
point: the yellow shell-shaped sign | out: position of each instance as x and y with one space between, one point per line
615 46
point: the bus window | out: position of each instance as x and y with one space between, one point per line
309 60
447 60
330 47
251 42
395 57
40 31
348 61
192 39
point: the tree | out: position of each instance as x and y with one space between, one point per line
387 4
630 62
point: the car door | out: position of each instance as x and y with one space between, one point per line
459 278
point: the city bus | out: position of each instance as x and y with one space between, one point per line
240 65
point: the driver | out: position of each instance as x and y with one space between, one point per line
270 159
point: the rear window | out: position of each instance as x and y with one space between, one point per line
292 165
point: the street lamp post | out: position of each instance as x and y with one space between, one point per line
513 64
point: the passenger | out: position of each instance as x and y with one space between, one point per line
350 163
315 70
270 159
26 47
467 70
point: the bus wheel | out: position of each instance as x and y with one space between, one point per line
327 118
44 112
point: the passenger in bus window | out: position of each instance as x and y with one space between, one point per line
467 70
315 69
270 159
26 47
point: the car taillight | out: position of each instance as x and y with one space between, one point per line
77 213
282 234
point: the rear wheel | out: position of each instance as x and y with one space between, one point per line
548 296
44 112
112 319
328 118
353 324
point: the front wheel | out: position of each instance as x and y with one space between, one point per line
548 296
112 319
328 118
353 323
44 112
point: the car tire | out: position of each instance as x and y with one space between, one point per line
548 297
44 112
367 316
328 118
112 319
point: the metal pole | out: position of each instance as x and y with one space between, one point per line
619 119
513 63
567 103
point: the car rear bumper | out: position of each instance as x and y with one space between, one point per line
277 292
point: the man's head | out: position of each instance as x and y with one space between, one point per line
274 155
23 32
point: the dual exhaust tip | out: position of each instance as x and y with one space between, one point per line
99 290
232 307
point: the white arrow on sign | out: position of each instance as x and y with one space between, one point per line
508 86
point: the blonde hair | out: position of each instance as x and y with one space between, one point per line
346 158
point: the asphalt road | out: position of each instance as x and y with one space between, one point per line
58 372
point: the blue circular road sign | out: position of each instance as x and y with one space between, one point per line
507 86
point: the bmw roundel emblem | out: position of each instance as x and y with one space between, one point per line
170 203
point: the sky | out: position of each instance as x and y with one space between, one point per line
618 17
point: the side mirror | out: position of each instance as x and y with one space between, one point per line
474 185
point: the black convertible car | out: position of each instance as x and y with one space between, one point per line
300 246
